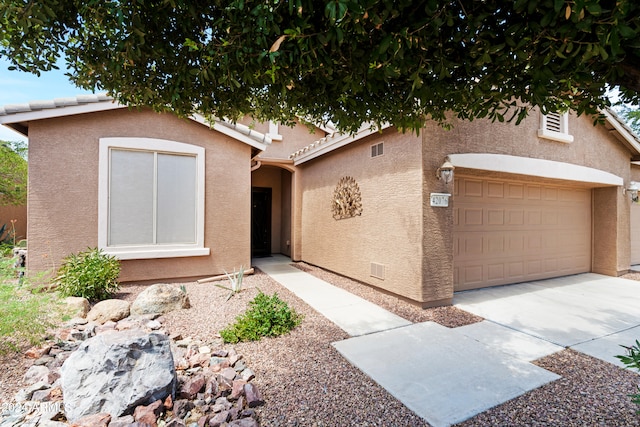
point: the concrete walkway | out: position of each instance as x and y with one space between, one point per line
354 315
443 375
449 375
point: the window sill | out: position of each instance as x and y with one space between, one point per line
555 136
153 253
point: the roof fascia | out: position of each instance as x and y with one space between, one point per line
629 137
231 132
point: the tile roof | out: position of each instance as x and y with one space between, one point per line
53 104
52 107
334 141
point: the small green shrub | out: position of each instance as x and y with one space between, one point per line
632 360
91 274
267 316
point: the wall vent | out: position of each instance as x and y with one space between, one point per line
554 122
377 150
555 126
377 270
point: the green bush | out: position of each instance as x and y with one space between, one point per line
632 360
267 316
91 274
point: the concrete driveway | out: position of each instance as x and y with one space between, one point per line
590 313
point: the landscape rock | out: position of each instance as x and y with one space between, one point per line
254 398
77 306
247 374
228 373
148 414
181 407
159 299
38 373
95 420
47 395
209 392
109 309
244 422
124 421
176 422
237 390
192 387
50 423
218 419
116 371
37 352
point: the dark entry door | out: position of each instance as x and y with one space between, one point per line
260 221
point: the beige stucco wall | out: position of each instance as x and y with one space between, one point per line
611 233
63 191
593 146
286 212
388 232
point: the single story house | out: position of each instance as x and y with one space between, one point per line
418 216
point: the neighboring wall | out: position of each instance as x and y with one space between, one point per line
17 213
389 231
63 191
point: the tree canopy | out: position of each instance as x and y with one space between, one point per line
13 173
344 61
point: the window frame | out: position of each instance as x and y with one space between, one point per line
560 136
149 251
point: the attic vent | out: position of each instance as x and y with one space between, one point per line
377 270
554 122
555 126
377 150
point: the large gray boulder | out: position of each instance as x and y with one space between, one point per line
116 371
109 310
159 299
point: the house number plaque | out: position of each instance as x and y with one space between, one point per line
440 200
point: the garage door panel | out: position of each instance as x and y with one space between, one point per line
509 232
472 188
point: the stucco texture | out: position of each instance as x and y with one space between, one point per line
63 191
593 146
389 230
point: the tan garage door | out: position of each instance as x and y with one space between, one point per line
510 231
635 233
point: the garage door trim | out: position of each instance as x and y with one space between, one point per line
534 167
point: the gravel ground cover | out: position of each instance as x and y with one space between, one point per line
306 382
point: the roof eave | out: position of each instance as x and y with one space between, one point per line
631 140
331 143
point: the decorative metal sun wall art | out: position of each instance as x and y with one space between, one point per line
347 201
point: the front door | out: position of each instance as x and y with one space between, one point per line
260 221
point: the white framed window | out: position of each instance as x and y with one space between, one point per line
150 198
555 126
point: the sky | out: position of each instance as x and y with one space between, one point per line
17 87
